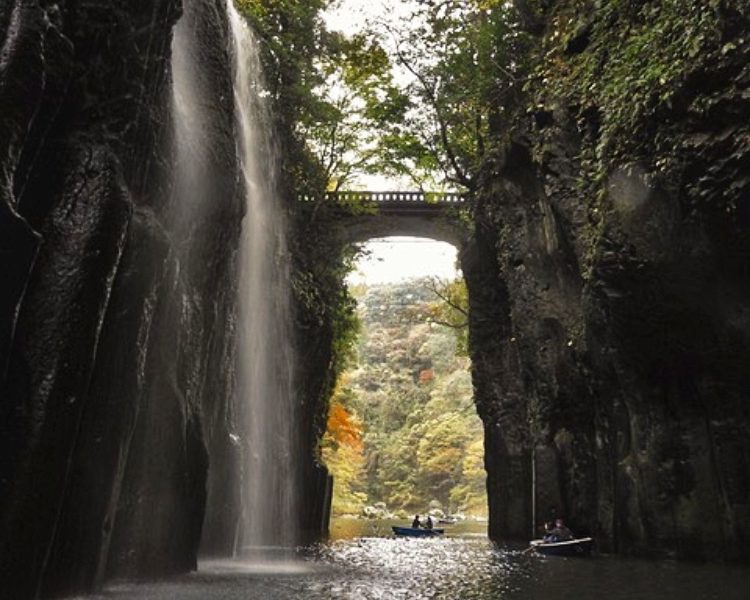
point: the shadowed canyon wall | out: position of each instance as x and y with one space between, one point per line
116 383
611 298
118 429
608 281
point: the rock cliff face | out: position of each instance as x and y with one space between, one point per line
117 297
610 320
118 245
608 278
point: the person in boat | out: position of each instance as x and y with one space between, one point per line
428 525
415 523
547 537
559 533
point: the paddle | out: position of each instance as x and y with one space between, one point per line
529 549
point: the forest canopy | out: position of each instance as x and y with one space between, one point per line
402 428
417 99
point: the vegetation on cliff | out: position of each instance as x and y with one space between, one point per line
627 61
641 79
620 211
606 145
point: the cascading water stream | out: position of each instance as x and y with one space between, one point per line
265 355
191 127
265 363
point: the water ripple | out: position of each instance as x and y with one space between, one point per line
441 569
414 569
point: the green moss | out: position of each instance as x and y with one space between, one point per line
647 83
630 59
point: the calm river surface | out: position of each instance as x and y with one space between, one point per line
462 566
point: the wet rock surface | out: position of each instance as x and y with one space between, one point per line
615 392
610 334
115 322
120 447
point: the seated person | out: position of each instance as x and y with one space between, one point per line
415 523
429 522
560 533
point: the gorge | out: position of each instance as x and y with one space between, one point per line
170 313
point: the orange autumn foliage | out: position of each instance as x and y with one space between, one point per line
343 428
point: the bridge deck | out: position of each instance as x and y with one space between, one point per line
392 198
429 215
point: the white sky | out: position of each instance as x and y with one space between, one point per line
395 259
349 16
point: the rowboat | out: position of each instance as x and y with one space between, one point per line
416 532
576 547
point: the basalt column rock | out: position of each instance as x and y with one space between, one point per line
83 538
627 296
75 88
23 77
115 317
524 289
497 397
54 349
181 482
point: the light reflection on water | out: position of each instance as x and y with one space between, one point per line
346 528
372 568
375 568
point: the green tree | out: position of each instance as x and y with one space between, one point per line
451 308
465 75
431 119
354 102
413 395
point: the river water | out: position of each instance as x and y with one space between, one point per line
461 566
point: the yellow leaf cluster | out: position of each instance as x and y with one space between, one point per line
343 428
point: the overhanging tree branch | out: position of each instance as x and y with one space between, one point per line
433 286
461 325
431 93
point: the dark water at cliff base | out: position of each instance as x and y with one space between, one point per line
453 568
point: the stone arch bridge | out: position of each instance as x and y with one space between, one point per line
433 215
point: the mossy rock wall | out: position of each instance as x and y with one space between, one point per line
615 388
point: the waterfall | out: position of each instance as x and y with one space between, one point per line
265 356
264 387
190 99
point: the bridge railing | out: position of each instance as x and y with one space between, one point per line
389 197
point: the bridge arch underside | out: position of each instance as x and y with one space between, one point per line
360 228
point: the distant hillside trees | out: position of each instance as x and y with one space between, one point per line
402 428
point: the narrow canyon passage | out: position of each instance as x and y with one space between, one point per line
185 189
